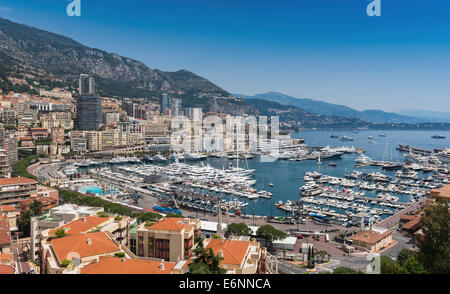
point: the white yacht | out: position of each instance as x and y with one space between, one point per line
159 158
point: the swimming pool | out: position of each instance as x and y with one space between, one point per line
92 189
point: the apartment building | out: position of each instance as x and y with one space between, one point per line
241 255
111 118
118 226
15 190
5 168
113 138
27 118
39 133
78 141
94 140
57 135
5 235
7 115
57 119
26 142
57 217
12 213
107 235
171 239
80 249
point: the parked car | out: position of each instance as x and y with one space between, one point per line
299 236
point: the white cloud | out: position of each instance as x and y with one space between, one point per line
2 8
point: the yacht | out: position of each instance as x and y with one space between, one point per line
330 155
133 160
382 135
406 174
118 160
346 139
159 158
437 136
334 136
194 156
148 158
363 160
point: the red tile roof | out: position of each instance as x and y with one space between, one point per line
6 269
6 208
15 181
115 265
234 251
83 245
413 224
82 225
5 257
170 224
369 236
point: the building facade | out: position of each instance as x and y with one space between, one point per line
15 190
171 239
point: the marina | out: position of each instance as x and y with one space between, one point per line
365 185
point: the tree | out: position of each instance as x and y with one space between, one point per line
346 270
60 233
240 229
65 263
435 245
199 269
412 265
404 255
311 262
24 223
321 255
35 208
390 266
119 254
174 215
270 234
205 262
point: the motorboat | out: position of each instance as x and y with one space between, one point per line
159 158
437 136
346 139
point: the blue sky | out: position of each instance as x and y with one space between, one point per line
321 49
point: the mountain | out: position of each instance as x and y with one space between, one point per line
325 108
31 59
380 116
425 114
295 118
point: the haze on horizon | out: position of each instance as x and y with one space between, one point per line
325 49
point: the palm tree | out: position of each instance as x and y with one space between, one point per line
284 253
35 208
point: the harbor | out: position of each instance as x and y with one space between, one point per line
346 183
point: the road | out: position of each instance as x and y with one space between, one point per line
403 241
21 256
285 267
